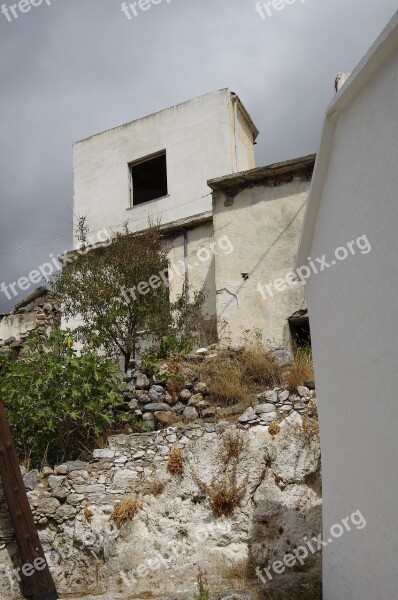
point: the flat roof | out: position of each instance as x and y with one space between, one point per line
265 174
181 104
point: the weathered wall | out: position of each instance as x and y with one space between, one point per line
197 138
159 551
353 309
263 224
200 265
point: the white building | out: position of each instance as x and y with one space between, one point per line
230 228
157 167
353 209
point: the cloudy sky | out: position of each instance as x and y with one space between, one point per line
71 68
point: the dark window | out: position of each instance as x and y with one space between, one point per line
148 179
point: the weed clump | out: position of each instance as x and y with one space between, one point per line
175 464
126 509
301 371
274 429
202 586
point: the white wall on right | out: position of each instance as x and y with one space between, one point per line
354 323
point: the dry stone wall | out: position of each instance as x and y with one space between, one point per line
157 553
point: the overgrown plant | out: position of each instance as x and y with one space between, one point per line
223 493
57 402
121 291
126 510
203 590
175 463
301 371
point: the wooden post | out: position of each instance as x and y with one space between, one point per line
37 581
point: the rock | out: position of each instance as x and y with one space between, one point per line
138 455
165 418
185 395
209 412
283 358
30 480
264 408
103 453
195 357
47 506
47 471
155 396
158 388
283 396
302 391
195 400
55 481
72 465
247 416
178 408
188 385
202 351
190 413
310 385
133 404
148 417
268 418
270 396
157 407
65 511
75 499
286 408
143 398
142 382
200 388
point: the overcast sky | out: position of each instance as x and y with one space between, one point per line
77 67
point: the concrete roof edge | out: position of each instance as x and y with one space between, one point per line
260 174
377 55
158 112
247 116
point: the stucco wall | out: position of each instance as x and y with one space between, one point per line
17 325
197 137
200 266
263 225
353 312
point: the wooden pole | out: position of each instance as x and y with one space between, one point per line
37 581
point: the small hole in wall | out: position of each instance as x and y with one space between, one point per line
245 276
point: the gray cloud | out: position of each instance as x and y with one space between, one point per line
78 67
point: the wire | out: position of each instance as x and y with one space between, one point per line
69 237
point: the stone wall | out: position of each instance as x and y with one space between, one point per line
39 312
159 551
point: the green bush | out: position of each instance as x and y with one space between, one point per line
59 403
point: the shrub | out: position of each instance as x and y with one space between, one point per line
274 429
58 403
301 371
126 509
175 464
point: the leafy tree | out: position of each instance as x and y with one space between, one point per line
121 291
59 403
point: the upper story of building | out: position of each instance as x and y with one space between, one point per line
156 168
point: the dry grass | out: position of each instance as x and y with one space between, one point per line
310 426
223 493
126 509
155 488
274 429
175 464
233 445
225 379
301 371
88 515
260 367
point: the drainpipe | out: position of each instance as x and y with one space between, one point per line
186 265
235 102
